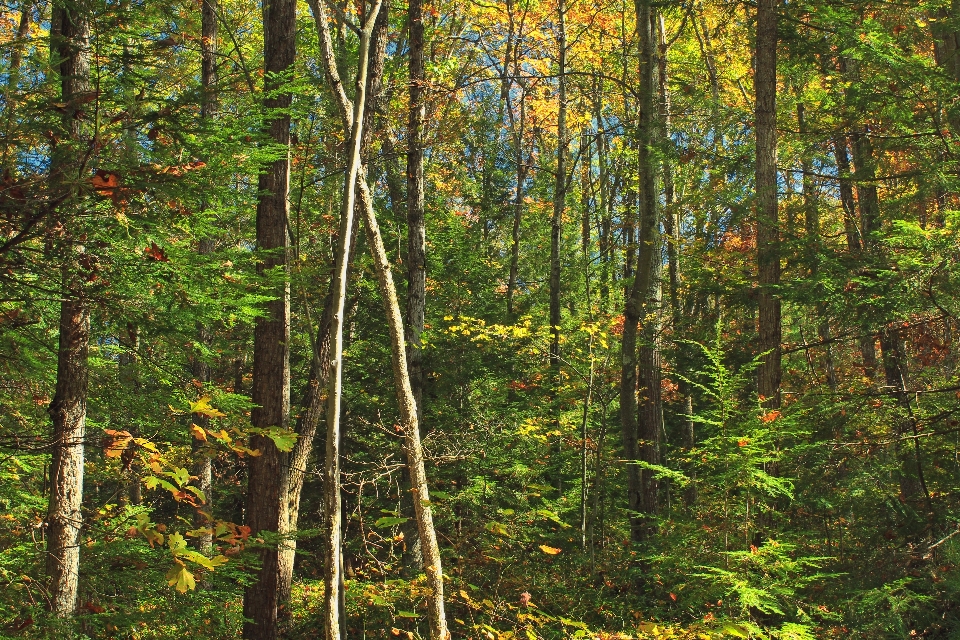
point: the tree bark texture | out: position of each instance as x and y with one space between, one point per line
70 50
267 473
768 223
635 309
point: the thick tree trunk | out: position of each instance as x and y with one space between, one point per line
408 415
768 225
648 241
69 411
268 473
70 50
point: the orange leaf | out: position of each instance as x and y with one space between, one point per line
198 433
550 551
156 253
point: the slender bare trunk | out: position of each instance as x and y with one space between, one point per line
266 505
409 422
202 464
416 246
353 116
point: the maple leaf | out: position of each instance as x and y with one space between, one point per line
198 433
156 253
202 407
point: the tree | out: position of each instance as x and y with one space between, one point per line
70 53
768 226
268 472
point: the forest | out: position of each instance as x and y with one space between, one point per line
492 319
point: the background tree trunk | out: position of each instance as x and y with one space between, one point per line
768 223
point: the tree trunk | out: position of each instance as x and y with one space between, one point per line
13 77
353 116
648 241
408 415
268 473
202 464
70 50
768 224
559 197
416 249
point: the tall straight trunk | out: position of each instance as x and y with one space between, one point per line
522 169
648 241
353 117
768 223
869 202
559 195
432 565
70 50
811 209
416 227
556 233
671 224
202 464
416 246
313 402
266 505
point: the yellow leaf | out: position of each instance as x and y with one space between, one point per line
198 433
202 406
550 551
181 579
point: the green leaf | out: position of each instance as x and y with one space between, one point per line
407 614
389 522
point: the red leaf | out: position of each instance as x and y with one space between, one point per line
156 253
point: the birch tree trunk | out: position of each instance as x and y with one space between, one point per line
432 565
352 115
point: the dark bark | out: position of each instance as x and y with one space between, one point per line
69 44
416 248
768 225
268 473
641 486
